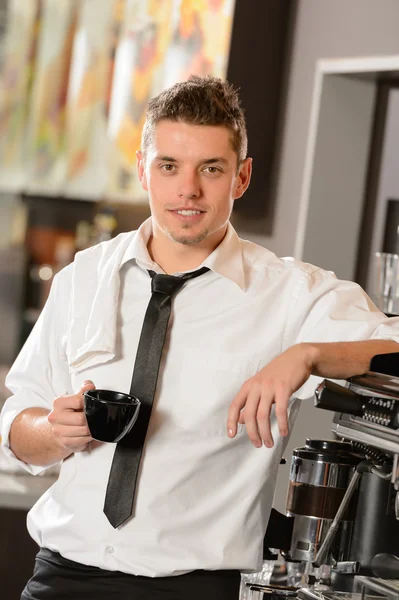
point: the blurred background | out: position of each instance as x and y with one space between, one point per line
319 81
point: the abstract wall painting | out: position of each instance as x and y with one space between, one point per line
87 142
47 165
163 41
18 68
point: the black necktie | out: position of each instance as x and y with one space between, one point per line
119 497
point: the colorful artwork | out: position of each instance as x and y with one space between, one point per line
23 25
163 41
87 105
46 133
118 16
144 40
200 40
74 91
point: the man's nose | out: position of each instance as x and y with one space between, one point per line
189 185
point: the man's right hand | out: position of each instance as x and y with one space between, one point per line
68 420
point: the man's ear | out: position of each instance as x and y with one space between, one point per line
243 178
141 169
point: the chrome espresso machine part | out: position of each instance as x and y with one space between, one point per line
342 519
367 416
319 477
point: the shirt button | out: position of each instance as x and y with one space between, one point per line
110 549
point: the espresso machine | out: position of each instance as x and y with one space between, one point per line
342 509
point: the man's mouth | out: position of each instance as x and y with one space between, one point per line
188 212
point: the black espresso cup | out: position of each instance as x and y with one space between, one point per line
110 415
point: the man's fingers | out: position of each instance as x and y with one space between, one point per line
282 399
86 386
68 420
68 409
251 409
234 411
71 433
253 405
74 418
75 444
64 403
263 417
74 401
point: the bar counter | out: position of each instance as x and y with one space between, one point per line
21 491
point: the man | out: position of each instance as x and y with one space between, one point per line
243 340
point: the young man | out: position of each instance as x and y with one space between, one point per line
243 341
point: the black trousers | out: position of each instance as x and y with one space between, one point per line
56 578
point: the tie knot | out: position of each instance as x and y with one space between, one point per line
165 284
169 284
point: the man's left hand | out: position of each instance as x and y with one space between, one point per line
274 384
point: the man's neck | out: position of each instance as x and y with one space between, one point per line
173 257
179 259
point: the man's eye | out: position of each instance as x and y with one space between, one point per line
167 167
212 170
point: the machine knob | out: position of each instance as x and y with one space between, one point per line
331 396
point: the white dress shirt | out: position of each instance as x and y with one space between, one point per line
203 499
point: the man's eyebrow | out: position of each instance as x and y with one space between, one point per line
205 161
217 159
165 158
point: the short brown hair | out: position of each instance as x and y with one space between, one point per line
199 101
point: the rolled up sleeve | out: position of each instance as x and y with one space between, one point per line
40 373
331 310
387 330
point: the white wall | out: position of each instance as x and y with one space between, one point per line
339 171
324 29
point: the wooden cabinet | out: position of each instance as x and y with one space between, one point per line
17 553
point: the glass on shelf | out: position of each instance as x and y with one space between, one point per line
385 289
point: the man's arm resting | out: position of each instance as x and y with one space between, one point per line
285 374
341 360
32 439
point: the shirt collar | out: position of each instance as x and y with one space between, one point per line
137 250
226 260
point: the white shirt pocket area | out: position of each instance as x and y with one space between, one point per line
208 383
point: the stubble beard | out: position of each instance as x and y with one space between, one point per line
185 239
